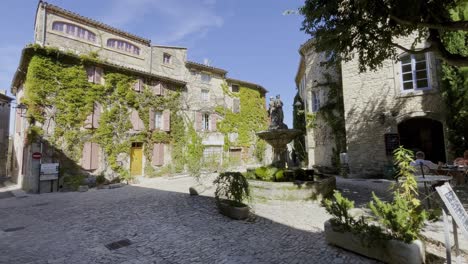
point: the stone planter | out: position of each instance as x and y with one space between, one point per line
237 213
388 251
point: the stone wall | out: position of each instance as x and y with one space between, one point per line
374 105
319 139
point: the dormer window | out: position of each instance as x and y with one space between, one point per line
123 45
74 30
167 58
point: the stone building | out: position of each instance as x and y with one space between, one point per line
5 104
398 104
203 93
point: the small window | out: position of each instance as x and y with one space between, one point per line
166 58
123 45
315 101
206 122
205 95
414 72
206 78
158 120
235 88
74 30
193 73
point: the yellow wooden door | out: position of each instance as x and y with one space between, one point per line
136 161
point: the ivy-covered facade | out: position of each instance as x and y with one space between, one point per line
101 101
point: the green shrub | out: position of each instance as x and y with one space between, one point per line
269 173
73 181
232 186
100 180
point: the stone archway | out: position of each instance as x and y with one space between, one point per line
423 134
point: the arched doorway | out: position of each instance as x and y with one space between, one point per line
423 134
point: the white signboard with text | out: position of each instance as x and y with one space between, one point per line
49 171
455 207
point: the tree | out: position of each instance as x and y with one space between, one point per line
368 28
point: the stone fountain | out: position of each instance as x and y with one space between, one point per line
278 135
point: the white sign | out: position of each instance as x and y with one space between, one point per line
455 207
49 168
48 177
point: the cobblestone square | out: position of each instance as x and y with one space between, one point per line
164 225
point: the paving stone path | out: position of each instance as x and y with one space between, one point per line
164 225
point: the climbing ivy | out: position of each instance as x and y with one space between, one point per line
251 118
57 92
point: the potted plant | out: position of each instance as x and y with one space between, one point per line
232 188
391 233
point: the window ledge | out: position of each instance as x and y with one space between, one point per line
402 94
167 66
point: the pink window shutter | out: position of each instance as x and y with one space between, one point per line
96 115
136 85
161 155
18 121
213 120
156 88
94 157
158 154
166 120
90 72
86 156
198 121
134 119
163 89
151 119
98 77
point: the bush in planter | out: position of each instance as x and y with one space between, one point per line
233 187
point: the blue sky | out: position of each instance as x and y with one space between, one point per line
252 40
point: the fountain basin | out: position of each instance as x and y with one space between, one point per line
278 139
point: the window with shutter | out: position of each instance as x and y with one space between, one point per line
156 87
90 71
138 85
158 120
98 75
206 122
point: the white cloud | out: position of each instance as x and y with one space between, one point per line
168 20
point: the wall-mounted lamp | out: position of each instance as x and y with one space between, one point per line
21 107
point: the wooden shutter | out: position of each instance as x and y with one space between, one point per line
18 120
213 120
158 154
98 75
96 115
151 119
156 88
94 157
198 121
138 85
236 105
135 120
166 119
90 72
86 156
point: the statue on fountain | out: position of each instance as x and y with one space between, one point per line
275 112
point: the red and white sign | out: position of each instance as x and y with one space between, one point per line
36 155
